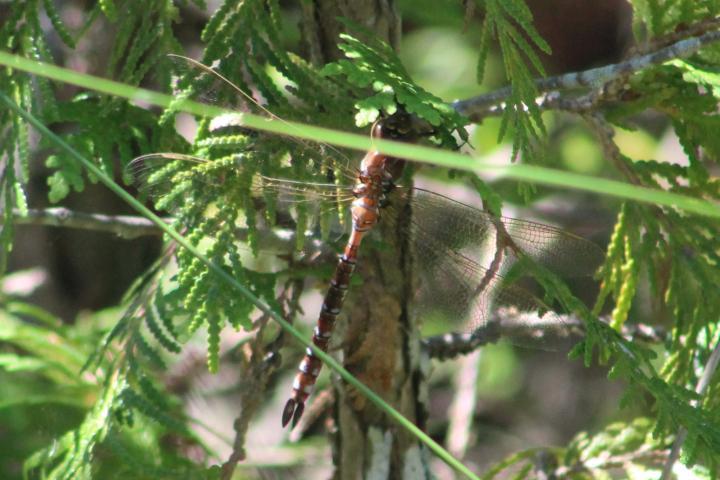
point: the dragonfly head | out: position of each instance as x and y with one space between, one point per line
402 126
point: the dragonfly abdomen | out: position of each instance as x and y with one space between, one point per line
310 366
365 214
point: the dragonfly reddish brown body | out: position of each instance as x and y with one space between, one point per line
373 180
444 234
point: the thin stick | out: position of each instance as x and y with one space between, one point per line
511 324
125 226
480 106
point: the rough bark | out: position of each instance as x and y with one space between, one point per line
377 335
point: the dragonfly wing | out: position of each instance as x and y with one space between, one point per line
456 285
169 179
558 250
461 254
208 85
175 181
229 90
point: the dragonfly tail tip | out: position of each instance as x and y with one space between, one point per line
293 411
298 413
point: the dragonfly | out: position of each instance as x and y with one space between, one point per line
444 231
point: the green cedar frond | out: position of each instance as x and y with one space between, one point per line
375 65
117 379
22 33
214 327
102 139
58 24
70 457
152 406
151 318
141 42
144 351
138 456
659 17
108 8
520 462
521 114
676 252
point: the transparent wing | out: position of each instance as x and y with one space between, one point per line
461 253
463 225
156 174
174 180
208 85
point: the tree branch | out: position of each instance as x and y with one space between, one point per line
514 325
606 134
130 227
125 226
493 103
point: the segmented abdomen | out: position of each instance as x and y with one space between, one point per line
365 214
310 366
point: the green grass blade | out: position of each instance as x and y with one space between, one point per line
418 153
172 233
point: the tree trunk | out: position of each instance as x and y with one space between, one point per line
377 335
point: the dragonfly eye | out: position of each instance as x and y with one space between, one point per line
405 127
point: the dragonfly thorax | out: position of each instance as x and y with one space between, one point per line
365 213
372 167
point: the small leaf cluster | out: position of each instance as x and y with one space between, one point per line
673 252
374 64
635 363
103 128
21 33
119 414
654 18
620 450
214 197
510 23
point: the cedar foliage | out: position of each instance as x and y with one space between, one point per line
127 414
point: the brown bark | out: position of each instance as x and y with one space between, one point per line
376 333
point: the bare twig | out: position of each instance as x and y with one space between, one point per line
511 324
605 133
261 361
504 323
553 100
275 240
462 407
125 226
594 78
700 389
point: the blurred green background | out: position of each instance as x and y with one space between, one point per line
524 398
